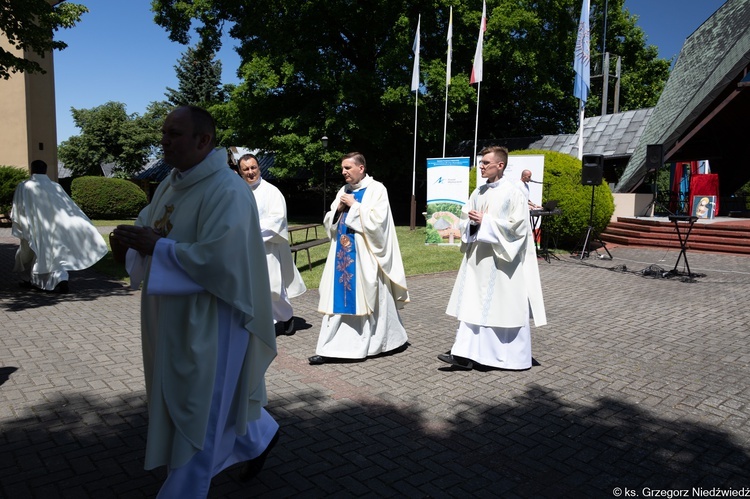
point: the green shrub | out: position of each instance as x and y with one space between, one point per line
10 177
108 198
432 236
563 174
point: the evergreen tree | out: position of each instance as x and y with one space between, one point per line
199 79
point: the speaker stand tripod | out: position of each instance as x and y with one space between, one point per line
591 234
654 204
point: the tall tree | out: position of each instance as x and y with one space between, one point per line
314 68
343 69
29 25
110 135
199 79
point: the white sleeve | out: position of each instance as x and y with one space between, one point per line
167 276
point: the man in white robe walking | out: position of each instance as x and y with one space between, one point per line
56 236
206 321
498 286
363 283
286 281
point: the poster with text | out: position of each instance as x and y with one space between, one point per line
517 164
447 193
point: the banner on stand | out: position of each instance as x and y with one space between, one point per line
447 193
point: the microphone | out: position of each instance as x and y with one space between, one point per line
535 181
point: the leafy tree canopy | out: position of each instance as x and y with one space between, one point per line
110 135
28 25
343 69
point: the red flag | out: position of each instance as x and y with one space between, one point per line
476 71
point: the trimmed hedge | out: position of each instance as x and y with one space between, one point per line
108 198
563 173
10 177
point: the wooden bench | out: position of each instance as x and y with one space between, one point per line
307 243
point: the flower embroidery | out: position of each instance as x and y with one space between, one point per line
343 260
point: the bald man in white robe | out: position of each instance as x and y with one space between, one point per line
207 327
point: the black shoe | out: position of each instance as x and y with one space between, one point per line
254 466
316 360
455 361
26 285
288 327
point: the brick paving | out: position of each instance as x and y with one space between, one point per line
640 383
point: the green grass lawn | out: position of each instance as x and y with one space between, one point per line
418 258
108 265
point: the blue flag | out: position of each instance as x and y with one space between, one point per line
582 61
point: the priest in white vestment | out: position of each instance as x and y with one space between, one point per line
363 283
207 327
498 285
286 281
56 236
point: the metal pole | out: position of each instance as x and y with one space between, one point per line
324 142
585 248
605 84
605 63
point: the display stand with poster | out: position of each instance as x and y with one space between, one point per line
704 189
447 193
518 163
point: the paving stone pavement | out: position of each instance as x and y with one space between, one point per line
640 383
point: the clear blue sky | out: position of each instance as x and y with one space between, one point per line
117 53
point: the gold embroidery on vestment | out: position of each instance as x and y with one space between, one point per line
163 226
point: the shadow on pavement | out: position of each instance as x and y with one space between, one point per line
85 285
533 446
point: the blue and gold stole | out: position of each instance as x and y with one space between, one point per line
345 275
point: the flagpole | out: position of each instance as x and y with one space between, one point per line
415 89
413 220
582 69
448 74
581 107
476 72
445 126
476 125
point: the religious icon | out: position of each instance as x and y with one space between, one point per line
704 206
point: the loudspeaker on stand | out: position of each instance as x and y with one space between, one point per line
654 157
593 169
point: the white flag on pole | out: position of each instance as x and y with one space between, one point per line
476 71
415 49
450 49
